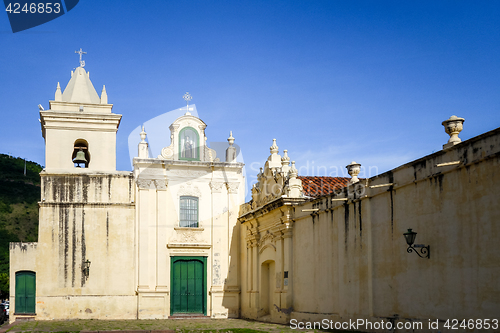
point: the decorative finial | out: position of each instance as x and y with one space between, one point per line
285 159
294 188
230 139
143 135
453 126
274 147
104 95
58 95
293 171
82 62
353 169
260 174
187 97
285 163
231 151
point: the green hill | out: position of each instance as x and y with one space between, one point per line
19 196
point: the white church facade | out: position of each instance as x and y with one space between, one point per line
151 243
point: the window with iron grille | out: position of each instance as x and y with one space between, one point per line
189 212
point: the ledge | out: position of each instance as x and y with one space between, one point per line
24 314
188 229
187 245
80 203
160 161
269 206
78 172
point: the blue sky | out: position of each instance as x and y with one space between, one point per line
332 81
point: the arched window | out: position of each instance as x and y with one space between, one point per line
189 144
81 154
188 212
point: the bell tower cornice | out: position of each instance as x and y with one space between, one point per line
77 121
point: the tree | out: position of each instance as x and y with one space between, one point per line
4 285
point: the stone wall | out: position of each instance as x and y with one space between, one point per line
82 217
348 257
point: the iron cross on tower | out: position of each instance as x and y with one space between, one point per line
187 97
82 62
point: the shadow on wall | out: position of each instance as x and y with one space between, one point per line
231 283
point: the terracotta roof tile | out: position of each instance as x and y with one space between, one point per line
318 186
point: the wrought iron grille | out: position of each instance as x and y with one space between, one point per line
189 212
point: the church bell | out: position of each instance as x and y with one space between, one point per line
80 158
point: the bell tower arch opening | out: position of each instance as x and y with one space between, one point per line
81 154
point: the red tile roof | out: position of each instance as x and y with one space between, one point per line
318 186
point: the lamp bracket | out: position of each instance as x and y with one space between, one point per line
425 251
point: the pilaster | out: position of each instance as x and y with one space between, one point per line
143 235
218 267
287 301
162 272
232 232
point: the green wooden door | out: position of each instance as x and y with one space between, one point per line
25 292
188 278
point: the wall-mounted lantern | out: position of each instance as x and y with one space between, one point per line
86 268
425 251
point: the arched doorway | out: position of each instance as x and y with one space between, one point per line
25 292
267 287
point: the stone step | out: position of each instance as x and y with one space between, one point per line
24 318
188 316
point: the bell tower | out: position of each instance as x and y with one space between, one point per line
80 129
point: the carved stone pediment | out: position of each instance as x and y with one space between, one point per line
187 236
216 187
210 155
268 239
232 187
145 184
161 184
167 153
150 183
188 189
189 173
